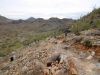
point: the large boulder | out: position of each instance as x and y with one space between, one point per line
54 57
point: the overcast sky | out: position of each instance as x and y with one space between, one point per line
22 9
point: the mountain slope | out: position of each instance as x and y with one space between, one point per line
21 33
4 20
91 20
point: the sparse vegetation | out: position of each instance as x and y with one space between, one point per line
14 43
91 20
88 43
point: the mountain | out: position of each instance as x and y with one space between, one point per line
54 23
30 19
38 24
4 20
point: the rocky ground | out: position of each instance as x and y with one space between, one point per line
56 56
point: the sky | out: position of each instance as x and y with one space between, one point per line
23 9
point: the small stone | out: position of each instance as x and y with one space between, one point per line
73 71
46 71
39 66
82 54
30 72
92 53
13 53
17 73
63 58
89 57
25 69
68 45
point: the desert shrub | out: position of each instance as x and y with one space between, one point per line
11 44
3 46
25 42
97 23
80 26
1 53
59 33
18 45
88 43
6 50
28 41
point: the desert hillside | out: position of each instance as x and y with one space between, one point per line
51 47
15 34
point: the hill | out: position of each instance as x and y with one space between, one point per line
91 20
15 34
4 20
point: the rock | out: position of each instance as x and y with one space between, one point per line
39 66
13 53
30 72
89 57
46 72
78 38
62 58
57 72
92 53
73 71
25 61
53 69
17 73
5 66
67 46
1 59
85 39
7 72
25 69
91 37
60 72
98 66
82 54
54 57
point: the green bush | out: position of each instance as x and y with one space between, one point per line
11 44
3 46
80 26
88 43
1 53
18 45
97 23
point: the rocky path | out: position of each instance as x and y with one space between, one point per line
33 60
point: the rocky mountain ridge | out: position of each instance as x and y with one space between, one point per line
39 24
